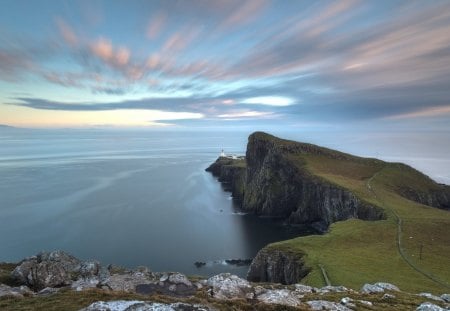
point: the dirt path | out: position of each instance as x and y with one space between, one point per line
399 236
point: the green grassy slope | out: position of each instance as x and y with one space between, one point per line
355 252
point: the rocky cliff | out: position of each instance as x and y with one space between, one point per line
277 266
274 183
307 184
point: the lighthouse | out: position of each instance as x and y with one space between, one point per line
222 154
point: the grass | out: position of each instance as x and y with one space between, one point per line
355 252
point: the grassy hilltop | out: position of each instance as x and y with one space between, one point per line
410 248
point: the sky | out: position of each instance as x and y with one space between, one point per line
226 63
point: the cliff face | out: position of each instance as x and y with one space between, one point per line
272 184
277 266
232 174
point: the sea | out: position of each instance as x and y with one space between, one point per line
143 197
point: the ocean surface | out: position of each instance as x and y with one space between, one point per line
143 197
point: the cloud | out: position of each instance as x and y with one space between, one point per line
279 101
423 113
156 25
66 32
13 64
244 12
103 49
245 114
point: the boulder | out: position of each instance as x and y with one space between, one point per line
333 289
327 305
228 286
178 278
348 302
52 269
371 289
305 289
445 297
387 286
281 297
431 296
18 292
124 305
428 306
128 281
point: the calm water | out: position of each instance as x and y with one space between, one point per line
129 198
143 197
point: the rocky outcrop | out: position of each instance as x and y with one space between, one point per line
52 269
277 266
228 286
274 183
177 292
232 174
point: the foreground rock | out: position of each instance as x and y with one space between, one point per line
228 286
123 305
18 292
379 287
64 272
47 270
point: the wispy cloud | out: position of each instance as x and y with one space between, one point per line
424 113
66 32
156 25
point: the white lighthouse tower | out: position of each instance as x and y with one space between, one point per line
222 154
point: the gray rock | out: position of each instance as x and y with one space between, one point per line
281 297
135 305
333 289
178 278
428 306
52 269
371 289
48 291
348 302
387 297
445 297
326 305
229 286
387 286
85 283
431 296
89 269
305 288
18 292
128 281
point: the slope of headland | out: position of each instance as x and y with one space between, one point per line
383 219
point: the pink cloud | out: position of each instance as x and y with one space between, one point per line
103 49
245 12
155 26
122 56
66 32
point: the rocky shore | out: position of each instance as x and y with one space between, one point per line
52 273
